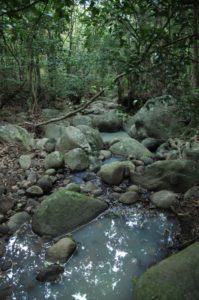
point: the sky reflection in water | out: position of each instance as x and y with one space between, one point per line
111 252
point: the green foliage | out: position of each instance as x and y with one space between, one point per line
50 49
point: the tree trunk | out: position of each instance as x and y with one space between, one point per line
195 45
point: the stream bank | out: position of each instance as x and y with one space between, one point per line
112 167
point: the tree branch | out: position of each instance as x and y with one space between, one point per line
80 108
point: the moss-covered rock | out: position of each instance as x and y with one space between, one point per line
64 211
175 175
175 278
15 133
115 172
131 147
77 159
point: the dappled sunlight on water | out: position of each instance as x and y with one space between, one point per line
112 251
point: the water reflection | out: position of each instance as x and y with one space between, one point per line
112 251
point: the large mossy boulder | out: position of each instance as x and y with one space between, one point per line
81 120
73 138
115 172
93 137
176 278
158 118
174 175
64 211
15 133
131 147
108 122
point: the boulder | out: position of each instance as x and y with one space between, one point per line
192 193
54 160
81 120
15 133
25 162
61 251
93 137
191 151
115 172
45 183
129 197
73 138
108 122
151 143
50 273
131 147
109 137
164 199
17 220
64 211
158 118
50 145
174 175
174 278
34 191
77 159
54 131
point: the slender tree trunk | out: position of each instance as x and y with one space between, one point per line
195 45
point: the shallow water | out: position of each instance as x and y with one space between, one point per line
112 251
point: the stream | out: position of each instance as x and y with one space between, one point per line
112 251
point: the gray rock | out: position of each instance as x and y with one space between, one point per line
174 278
54 160
129 197
73 187
192 193
45 183
115 172
50 172
191 151
104 154
151 143
131 147
88 187
6 204
164 199
54 131
34 190
32 177
50 145
50 273
81 120
93 137
77 159
109 137
40 143
174 175
157 119
15 133
25 161
133 188
61 251
64 211
17 220
109 122
73 138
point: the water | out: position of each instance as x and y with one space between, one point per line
112 251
